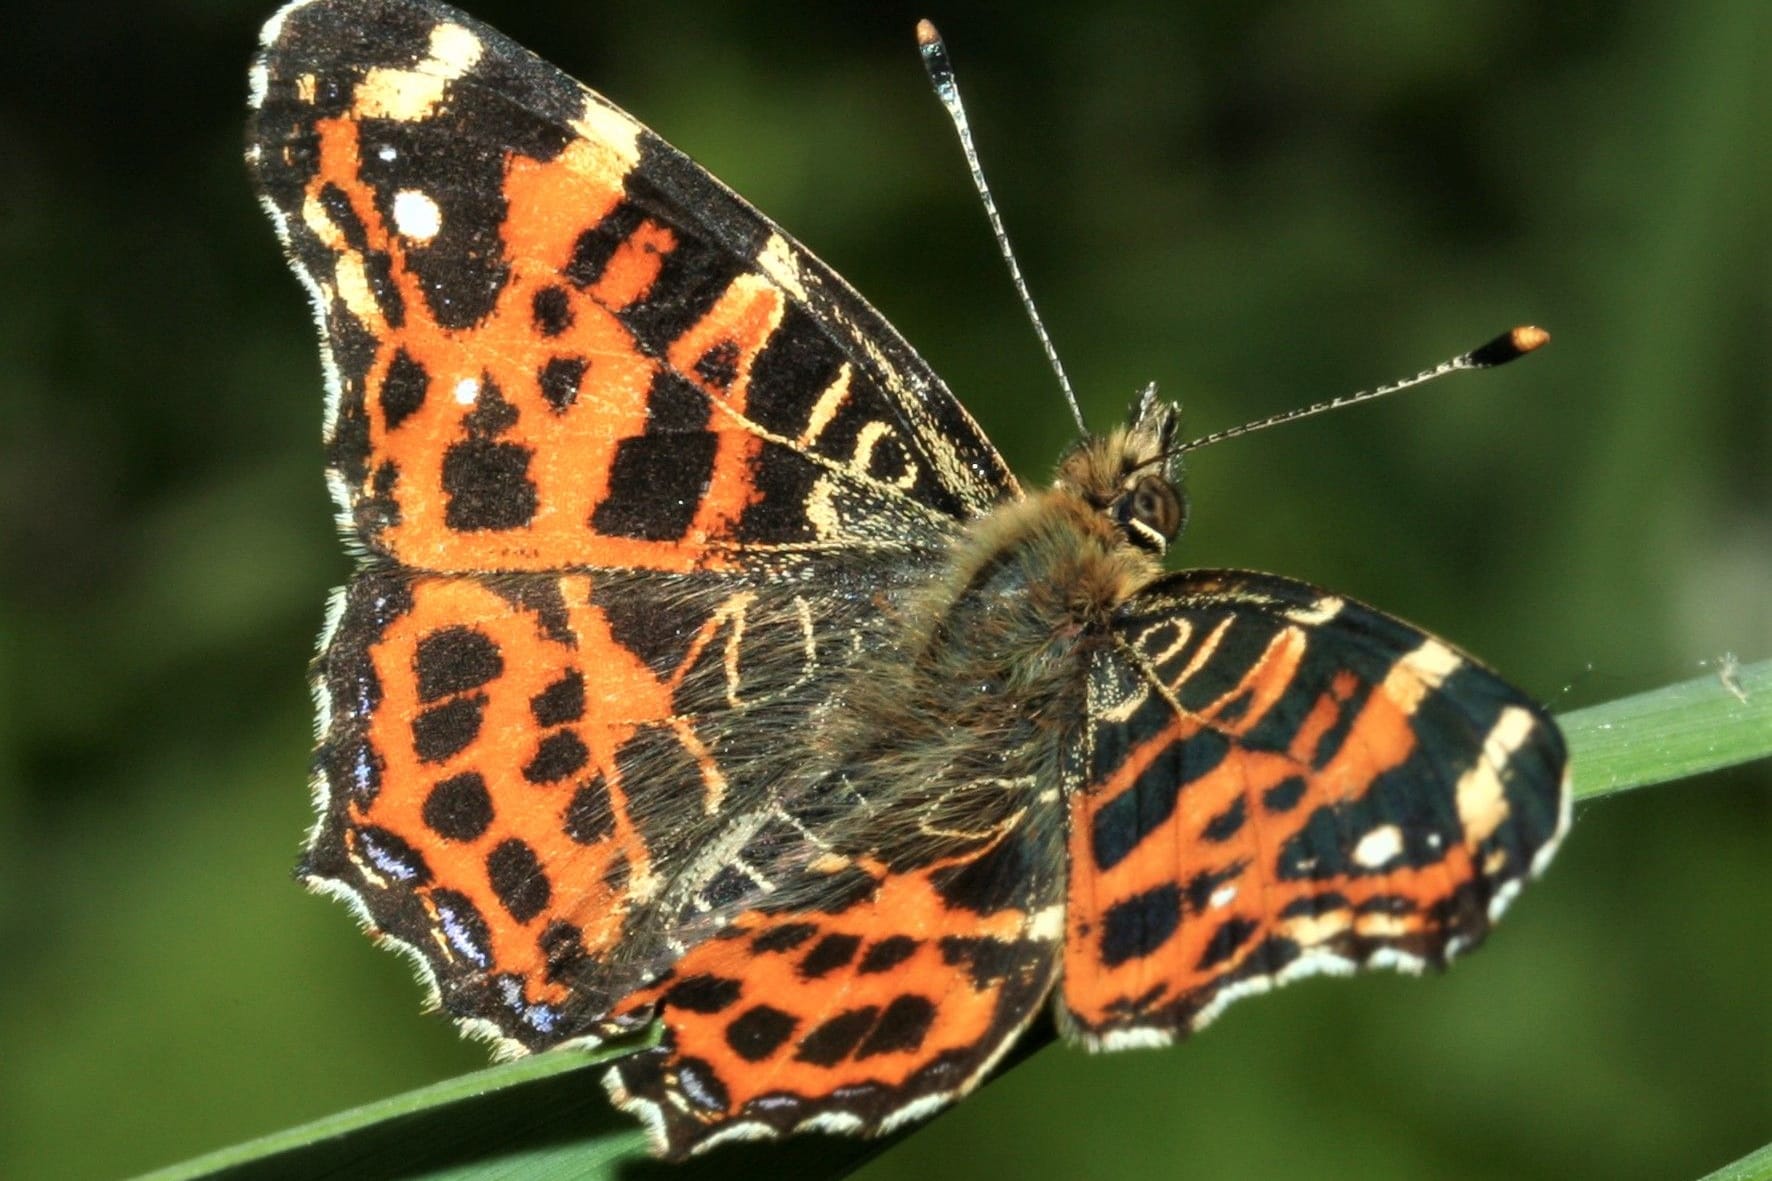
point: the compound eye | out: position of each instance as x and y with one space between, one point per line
1151 513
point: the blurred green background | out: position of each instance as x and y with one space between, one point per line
1258 204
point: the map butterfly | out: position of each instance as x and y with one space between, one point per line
705 664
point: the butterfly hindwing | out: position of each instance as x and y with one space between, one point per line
856 1015
1281 782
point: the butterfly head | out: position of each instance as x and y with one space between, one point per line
1132 475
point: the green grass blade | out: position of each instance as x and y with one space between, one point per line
1755 1166
545 1118
1715 721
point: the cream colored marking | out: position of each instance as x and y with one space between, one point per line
407 95
904 502
821 509
610 129
918 1108
1140 1038
1207 647
867 439
1402 961
913 400
454 50
1319 612
416 216
1046 925
258 81
1379 846
1482 800
386 153
1309 930
829 402
715 782
1433 662
776 260
1381 926
306 86
734 677
319 223
353 288
467 390
1122 709
1222 897
803 610
1421 671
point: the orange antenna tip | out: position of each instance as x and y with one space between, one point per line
1509 346
926 34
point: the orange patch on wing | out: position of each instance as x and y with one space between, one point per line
1244 887
620 695
962 1013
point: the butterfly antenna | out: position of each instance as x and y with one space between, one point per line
1509 346
941 75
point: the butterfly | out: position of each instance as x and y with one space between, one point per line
704 664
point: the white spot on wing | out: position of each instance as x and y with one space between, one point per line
416 216
1379 846
467 390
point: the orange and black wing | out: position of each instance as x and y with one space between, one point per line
553 341
890 998
626 467
1278 782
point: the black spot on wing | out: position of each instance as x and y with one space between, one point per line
444 731
453 660
1000 878
783 938
1226 941
561 702
558 756
702 993
560 380
487 486
759 1032
887 954
551 310
654 624
595 247
1227 823
836 1038
718 366
1135 927
1284 795
562 948
459 808
901 1028
517 879
403 389
656 484
828 954
589 817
